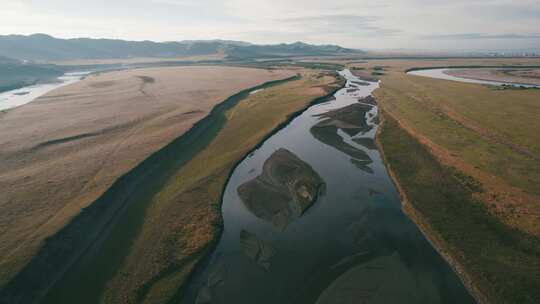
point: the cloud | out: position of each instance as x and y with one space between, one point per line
351 23
177 2
345 24
467 36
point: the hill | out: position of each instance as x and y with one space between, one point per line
285 50
43 48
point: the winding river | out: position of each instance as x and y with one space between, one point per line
312 216
441 74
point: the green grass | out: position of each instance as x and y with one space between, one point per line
510 115
504 263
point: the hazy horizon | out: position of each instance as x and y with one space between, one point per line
458 25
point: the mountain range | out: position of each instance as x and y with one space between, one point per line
45 48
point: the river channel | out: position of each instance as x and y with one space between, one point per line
439 73
312 216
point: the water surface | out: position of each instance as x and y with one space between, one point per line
440 74
354 244
24 95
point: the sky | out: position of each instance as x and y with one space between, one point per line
380 24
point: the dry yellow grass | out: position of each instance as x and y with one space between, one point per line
62 151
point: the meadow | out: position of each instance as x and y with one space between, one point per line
466 159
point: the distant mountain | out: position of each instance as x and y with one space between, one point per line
224 42
293 49
43 48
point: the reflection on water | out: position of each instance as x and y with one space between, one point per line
284 243
381 280
256 249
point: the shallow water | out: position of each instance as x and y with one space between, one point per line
354 244
440 74
24 95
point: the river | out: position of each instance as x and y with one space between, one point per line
439 73
24 95
312 216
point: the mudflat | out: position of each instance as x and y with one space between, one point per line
62 151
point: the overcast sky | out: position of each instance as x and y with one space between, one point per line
411 24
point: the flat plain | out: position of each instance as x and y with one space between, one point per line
62 151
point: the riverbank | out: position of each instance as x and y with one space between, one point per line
442 202
179 221
496 78
421 222
515 76
474 129
466 158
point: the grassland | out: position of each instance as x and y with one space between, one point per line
481 131
60 153
467 159
181 220
499 263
